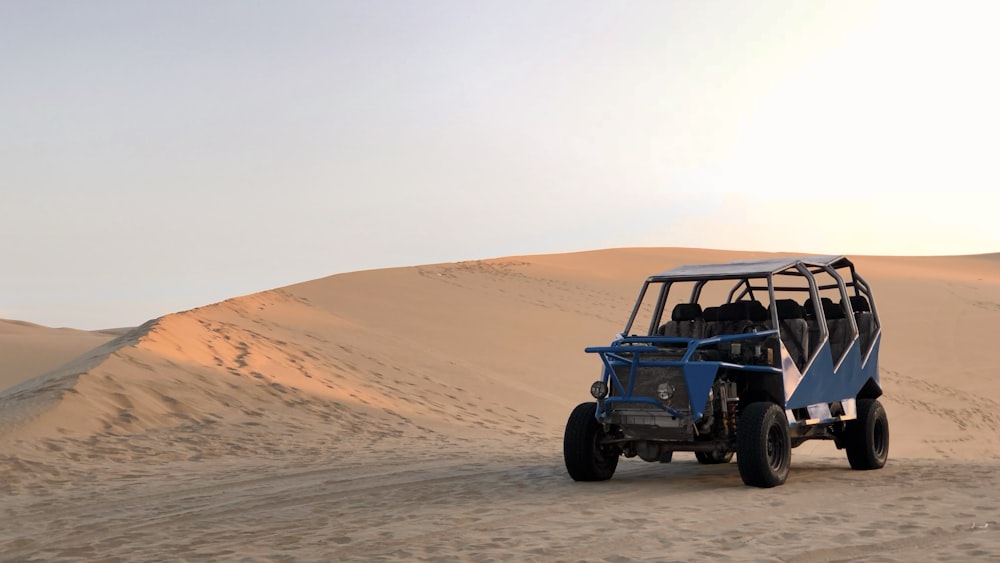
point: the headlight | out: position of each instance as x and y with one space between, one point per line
599 389
664 391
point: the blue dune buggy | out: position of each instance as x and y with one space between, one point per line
750 358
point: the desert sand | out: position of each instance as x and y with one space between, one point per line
417 413
28 349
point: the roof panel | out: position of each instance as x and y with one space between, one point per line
744 267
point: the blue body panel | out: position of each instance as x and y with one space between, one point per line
821 383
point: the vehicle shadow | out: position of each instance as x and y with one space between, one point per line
690 475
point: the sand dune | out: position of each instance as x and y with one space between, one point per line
29 350
417 413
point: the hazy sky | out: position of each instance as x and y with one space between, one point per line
156 156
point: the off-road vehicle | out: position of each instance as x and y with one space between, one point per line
750 358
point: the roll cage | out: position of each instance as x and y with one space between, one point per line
766 277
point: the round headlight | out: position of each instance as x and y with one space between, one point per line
599 389
665 391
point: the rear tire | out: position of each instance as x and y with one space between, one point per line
586 459
763 448
713 457
867 437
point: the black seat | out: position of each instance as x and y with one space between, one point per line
815 334
789 309
865 320
794 330
837 323
743 316
713 325
810 310
686 321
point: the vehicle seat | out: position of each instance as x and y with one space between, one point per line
743 316
794 330
815 334
686 321
841 335
865 319
713 325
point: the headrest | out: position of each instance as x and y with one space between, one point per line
744 311
859 304
830 309
789 309
732 312
686 312
757 311
711 313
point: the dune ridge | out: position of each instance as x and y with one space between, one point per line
29 349
417 413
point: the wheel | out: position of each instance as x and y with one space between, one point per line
867 437
763 448
713 457
586 459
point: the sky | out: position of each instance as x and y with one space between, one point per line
161 155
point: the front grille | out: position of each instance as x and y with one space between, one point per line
648 380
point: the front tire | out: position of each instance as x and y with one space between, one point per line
586 459
763 447
713 457
867 437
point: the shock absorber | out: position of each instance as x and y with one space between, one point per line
724 406
729 407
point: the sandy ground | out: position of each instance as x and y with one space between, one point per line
417 413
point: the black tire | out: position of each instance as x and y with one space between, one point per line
763 448
867 437
713 457
586 459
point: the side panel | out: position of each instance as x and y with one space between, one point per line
870 367
790 374
821 383
700 376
